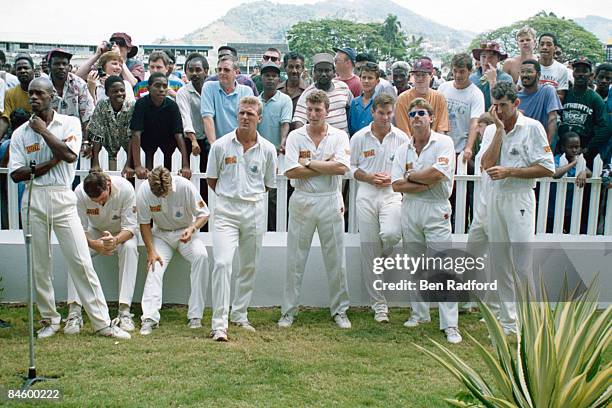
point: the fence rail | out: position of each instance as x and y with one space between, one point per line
599 214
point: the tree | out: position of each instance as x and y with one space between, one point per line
385 41
574 39
415 48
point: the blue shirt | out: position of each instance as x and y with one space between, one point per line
569 197
276 111
539 104
4 146
360 116
222 107
484 88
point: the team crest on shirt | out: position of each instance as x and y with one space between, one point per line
254 169
231 160
134 209
69 139
305 154
514 151
409 166
443 160
201 204
369 153
155 208
116 217
35 147
178 214
547 149
93 211
392 157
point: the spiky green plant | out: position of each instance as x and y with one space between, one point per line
557 361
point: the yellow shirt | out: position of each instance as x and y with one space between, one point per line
14 99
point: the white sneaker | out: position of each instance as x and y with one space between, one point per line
126 322
47 330
195 323
245 326
114 331
147 327
285 321
342 321
414 322
218 335
452 335
73 323
381 317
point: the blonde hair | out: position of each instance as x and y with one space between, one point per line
253 101
109 56
317 97
526 30
160 181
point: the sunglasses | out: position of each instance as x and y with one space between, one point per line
418 112
269 58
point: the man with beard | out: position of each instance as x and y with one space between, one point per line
584 112
552 72
53 141
338 93
526 40
537 101
293 87
17 97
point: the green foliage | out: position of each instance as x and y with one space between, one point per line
574 39
385 41
558 361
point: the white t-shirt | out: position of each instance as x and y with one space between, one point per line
117 214
27 145
525 145
370 155
242 175
555 75
463 106
438 153
177 210
334 145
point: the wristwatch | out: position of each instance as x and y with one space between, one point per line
307 163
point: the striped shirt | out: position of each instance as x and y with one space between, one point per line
340 98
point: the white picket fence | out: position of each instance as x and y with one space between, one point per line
461 189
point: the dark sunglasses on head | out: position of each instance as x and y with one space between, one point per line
269 58
119 41
421 112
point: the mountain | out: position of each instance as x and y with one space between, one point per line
600 26
267 22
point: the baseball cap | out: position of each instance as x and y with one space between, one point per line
582 61
270 66
322 57
58 51
352 54
422 65
24 56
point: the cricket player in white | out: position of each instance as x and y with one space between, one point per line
54 141
378 206
518 154
107 208
316 157
241 168
178 212
423 170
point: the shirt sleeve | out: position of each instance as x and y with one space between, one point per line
182 100
343 150
300 109
95 125
563 80
445 158
82 207
137 121
17 153
286 110
553 103
478 104
176 118
86 102
399 163
207 100
355 143
401 114
199 207
73 135
271 167
212 167
292 151
128 210
539 151
142 207
441 111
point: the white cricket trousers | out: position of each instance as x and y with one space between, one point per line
511 231
378 212
194 252
426 230
127 254
54 208
325 213
235 224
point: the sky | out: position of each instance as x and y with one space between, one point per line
91 22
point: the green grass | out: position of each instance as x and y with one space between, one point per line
311 364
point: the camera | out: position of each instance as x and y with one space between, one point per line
101 72
109 45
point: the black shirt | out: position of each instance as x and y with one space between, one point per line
158 124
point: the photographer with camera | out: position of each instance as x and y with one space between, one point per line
121 43
109 64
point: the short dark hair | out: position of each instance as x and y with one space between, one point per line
230 49
197 57
365 56
383 99
462 60
568 135
292 55
535 64
504 88
171 56
26 57
95 183
551 35
606 66
110 81
160 55
370 67
155 76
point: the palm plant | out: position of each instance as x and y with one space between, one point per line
558 359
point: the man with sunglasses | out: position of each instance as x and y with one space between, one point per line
423 171
271 56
